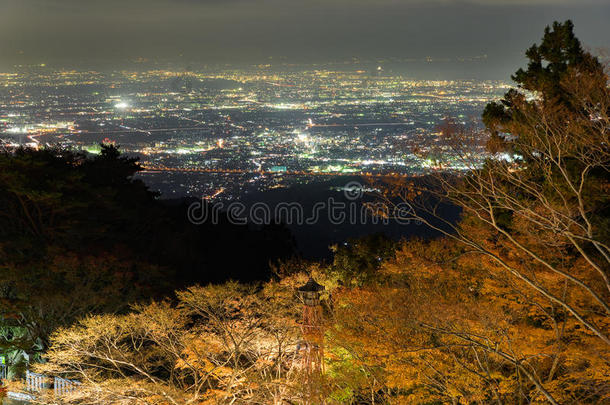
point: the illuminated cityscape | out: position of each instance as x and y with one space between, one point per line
220 133
323 202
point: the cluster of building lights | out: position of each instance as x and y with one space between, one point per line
244 122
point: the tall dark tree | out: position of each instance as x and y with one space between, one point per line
558 57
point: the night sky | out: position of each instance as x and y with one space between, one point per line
112 32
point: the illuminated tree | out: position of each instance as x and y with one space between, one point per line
541 211
222 344
441 328
535 227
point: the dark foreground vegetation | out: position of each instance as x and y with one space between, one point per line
78 235
510 306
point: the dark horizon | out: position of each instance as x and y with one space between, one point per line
114 34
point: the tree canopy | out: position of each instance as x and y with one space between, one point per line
80 234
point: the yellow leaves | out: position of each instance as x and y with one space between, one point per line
459 330
440 325
198 354
213 397
217 343
204 343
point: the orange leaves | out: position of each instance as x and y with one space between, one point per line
439 323
445 325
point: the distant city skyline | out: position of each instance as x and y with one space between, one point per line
226 133
111 33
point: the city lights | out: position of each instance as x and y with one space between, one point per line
257 128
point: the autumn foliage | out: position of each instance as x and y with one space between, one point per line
510 306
